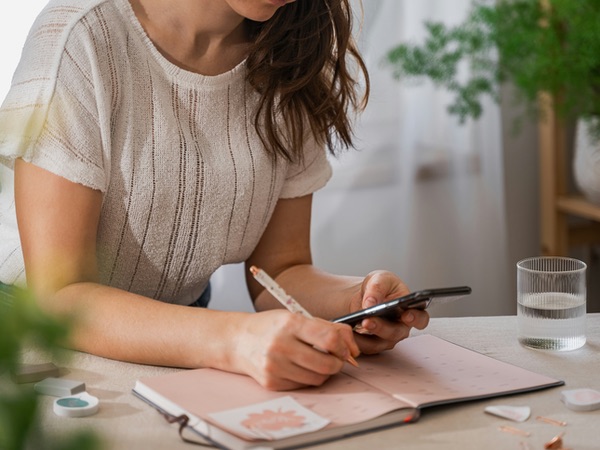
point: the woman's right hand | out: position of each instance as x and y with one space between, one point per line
283 351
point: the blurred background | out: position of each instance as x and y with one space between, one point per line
438 202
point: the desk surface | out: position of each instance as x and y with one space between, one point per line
125 422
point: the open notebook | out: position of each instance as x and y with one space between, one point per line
233 411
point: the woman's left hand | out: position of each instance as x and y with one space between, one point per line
376 334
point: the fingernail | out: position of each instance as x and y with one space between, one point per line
369 301
361 330
409 317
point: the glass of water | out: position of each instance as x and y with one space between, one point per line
551 303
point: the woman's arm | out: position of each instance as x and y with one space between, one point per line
58 222
284 253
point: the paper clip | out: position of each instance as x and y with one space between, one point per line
513 430
558 423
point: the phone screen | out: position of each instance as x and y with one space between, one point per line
392 309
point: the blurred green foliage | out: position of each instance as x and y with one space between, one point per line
24 325
553 48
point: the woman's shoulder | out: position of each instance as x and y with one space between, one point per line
64 29
61 19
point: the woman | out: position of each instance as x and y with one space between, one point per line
153 141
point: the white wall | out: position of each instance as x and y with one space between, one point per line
16 19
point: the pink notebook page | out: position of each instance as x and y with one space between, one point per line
426 370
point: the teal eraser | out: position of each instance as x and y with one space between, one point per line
58 387
30 373
80 405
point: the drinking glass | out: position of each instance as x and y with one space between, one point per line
551 303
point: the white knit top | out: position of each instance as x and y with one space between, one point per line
187 185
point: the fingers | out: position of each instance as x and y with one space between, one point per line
333 338
415 318
411 318
294 351
295 367
377 334
380 286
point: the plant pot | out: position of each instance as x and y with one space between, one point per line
586 166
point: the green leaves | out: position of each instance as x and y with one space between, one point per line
440 57
17 411
24 325
556 50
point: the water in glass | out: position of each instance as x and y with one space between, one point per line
552 320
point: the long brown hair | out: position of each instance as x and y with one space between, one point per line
301 64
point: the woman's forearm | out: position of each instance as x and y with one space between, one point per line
322 294
120 325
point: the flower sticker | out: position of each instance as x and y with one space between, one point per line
269 420
274 419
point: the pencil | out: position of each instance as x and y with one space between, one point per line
285 299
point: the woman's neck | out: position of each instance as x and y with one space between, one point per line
203 36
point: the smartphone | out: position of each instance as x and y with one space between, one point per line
392 309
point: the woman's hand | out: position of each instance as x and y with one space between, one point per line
376 334
282 350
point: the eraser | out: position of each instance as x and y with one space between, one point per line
79 405
581 399
30 373
59 387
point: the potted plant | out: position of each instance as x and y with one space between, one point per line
550 46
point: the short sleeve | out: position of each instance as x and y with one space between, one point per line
309 175
50 117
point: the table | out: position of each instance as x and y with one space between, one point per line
125 422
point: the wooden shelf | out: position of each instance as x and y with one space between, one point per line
561 210
578 206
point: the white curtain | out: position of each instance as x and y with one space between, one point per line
423 195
